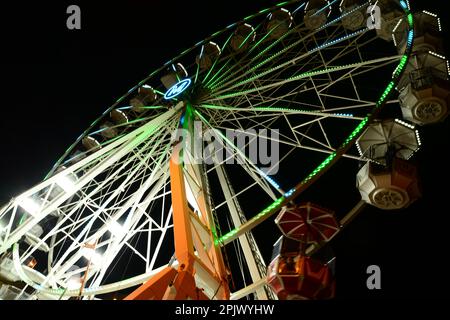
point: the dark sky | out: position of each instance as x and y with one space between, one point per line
55 82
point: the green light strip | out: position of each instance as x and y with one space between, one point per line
151 108
283 3
355 132
410 20
385 94
217 73
277 109
401 66
273 206
277 203
246 38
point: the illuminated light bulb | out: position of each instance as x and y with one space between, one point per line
74 283
403 4
410 20
116 229
32 263
270 180
405 124
66 183
30 205
95 258
437 55
430 13
289 193
359 149
397 25
393 39
418 138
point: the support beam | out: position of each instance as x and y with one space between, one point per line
155 288
248 290
250 256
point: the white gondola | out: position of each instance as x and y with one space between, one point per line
425 100
146 95
353 17
243 37
316 14
390 136
388 188
209 53
108 130
388 181
118 116
424 88
279 23
91 144
427 34
176 73
77 155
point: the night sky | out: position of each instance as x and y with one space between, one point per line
55 82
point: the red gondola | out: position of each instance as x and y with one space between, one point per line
308 223
294 276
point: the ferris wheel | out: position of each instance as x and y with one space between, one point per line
162 192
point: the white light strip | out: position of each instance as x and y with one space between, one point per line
397 25
116 228
66 183
359 149
393 38
94 257
437 55
430 13
413 153
419 141
405 124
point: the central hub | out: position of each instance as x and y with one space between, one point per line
177 89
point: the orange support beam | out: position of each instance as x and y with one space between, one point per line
180 284
155 288
184 247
